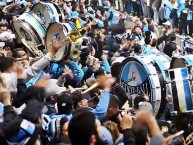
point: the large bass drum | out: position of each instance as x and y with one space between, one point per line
30 28
180 89
48 12
61 31
146 75
182 61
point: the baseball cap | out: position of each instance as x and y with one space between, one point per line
64 103
145 106
53 89
167 23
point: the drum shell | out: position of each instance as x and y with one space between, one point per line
49 12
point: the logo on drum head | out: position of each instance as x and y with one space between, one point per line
134 79
41 16
25 34
56 37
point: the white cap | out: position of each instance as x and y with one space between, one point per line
167 23
2 44
4 36
53 89
8 1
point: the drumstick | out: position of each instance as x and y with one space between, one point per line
92 87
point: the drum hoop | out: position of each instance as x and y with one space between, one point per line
38 19
159 73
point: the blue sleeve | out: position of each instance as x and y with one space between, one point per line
76 70
102 106
106 67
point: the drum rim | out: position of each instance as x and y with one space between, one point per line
38 19
159 73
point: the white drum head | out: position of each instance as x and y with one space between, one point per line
23 30
53 30
42 12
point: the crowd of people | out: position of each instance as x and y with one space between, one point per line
42 102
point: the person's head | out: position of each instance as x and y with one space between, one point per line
172 36
68 3
75 7
99 73
139 24
112 127
127 46
137 30
143 20
140 134
3 28
154 43
79 99
91 50
137 100
8 64
61 3
64 104
113 108
33 111
137 48
29 3
20 53
150 21
148 41
82 129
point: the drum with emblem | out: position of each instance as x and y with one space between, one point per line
146 75
62 32
31 31
48 12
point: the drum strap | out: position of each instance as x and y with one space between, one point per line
59 12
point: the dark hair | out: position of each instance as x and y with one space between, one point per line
137 100
114 101
81 127
140 133
32 111
149 20
6 63
99 73
115 69
154 42
137 48
147 40
15 52
172 36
